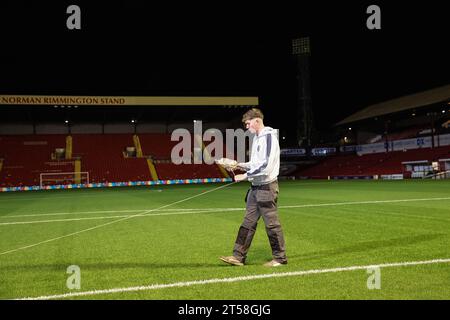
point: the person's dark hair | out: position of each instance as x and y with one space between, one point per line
252 114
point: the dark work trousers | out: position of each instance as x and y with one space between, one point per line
261 201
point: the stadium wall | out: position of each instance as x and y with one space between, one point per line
51 128
117 184
16 129
91 128
151 128
119 128
98 128
405 144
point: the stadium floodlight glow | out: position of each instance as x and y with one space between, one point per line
301 46
133 121
66 121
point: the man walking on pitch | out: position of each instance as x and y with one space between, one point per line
262 171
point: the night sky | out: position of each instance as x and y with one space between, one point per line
226 48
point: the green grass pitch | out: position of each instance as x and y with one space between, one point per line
327 225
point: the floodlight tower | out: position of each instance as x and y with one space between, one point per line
302 52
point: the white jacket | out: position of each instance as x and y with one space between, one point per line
264 164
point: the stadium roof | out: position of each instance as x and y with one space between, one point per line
417 100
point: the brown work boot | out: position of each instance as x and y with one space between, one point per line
274 263
232 260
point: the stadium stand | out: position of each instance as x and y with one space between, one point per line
26 156
371 164
404 134
156 145
395 137
168 171
159 147
104 156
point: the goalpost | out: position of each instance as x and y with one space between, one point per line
63 178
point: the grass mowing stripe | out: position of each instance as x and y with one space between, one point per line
56 197
118 220
113 217
364 202
113 211
185 247
236 279
199 210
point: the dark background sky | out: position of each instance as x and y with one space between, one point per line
226 48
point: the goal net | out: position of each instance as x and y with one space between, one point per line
63 178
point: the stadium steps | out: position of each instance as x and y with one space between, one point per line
69 147
152 169
137 145
223 171
140 154
77 171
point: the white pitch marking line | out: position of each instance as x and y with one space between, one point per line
199 210
235 279
113 217
363 202
114 221
56 197
103 211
